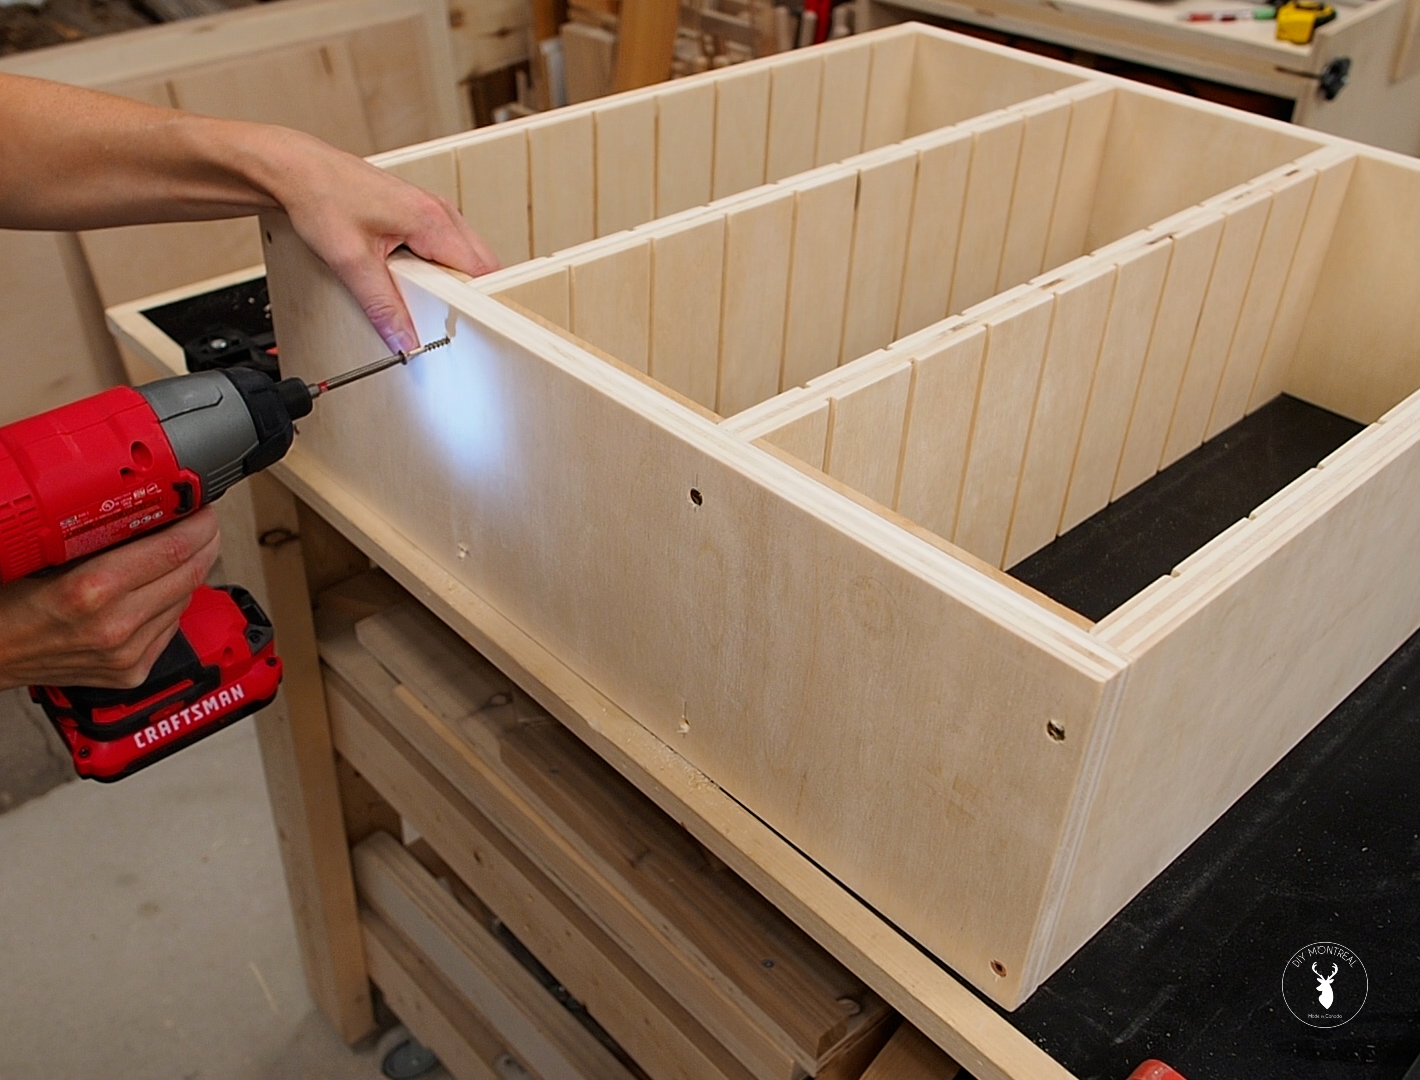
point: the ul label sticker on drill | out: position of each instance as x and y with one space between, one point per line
112 520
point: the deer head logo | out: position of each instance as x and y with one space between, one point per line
1323 986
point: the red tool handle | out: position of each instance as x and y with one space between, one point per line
1153 1069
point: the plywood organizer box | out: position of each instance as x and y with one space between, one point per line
790 360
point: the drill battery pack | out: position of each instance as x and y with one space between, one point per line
221 666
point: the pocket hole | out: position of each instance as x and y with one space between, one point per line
1055 731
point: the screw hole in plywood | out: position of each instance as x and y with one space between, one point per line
269 238
1055 730
999 968
696 497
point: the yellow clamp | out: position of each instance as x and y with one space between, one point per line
1297 20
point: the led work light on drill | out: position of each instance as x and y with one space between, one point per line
98 472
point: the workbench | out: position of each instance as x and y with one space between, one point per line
1380 103
764 580
1322 846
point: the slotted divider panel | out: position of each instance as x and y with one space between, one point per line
1082 307
823 243
493 193
865 433
1243 224
685 146
1264 291
687 268
1139 283
795 91
626 164
883 221
1193 252
845 101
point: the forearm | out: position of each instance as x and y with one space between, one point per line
76 159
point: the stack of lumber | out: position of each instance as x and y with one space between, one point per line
686 968
1001 263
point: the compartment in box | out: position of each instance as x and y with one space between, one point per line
731 305
536 186
1003 429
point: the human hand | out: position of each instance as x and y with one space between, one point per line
104 622
354 215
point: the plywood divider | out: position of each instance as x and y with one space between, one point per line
757 246
844 104
685 146
1033 198
1244 220
493 193
996 150
1138 286
611 304
1015 353
561 178
795 93
880 232
741 132
625 165
687 274
1082 306
867 423
823 239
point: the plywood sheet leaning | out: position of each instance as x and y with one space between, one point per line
911 599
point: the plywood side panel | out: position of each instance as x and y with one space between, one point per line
611 303
1307 264
1033 197
757 240
1079 175
495 195
435 173
1358 352
1015 351
507 417
936 226
866 433
1237 251
1259 309
1195 248
941 405
953 81
794 91
548 295
823 240
687 275
1137 289
685 146
889 82
626 165
880 234
741 131
1077 328
1187 154
1267 647
844 101
989 187
805 436
562 182
133 261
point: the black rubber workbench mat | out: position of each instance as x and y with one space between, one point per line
1326 847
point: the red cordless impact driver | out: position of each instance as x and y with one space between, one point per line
98 472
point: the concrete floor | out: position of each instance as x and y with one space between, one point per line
144 926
